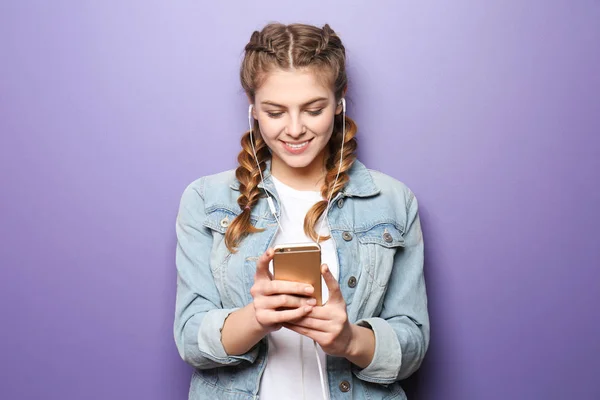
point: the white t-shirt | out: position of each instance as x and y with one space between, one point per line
291 358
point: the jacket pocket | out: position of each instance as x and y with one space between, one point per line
218 219
379 243
227 268
384 234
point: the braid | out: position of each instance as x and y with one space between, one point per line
327 34
259 45
248 175
332 165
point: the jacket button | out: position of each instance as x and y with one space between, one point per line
347 236
388 237
225 222
340 203
352 282
345 386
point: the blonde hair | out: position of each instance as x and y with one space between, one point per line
286 47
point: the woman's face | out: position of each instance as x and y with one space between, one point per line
295 113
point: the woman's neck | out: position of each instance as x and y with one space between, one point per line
306 178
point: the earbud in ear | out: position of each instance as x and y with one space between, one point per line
250 118
343 102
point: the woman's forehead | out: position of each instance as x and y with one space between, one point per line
296 86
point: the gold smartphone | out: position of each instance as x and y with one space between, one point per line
299 262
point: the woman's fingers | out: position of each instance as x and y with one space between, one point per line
313 324
265 287
335 293
287 287
325 313
284 301
317 336
272 317
262 265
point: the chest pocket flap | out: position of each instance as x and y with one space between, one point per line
384 234
218 219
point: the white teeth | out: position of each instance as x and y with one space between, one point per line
297 146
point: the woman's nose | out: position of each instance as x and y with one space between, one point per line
295 127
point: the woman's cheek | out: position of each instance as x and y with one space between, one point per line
269 129
322 126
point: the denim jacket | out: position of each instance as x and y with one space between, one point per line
375 226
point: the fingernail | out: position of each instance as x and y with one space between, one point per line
311 302
307 308
309 289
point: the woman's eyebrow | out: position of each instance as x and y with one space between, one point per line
271 103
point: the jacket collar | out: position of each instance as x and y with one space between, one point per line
361 183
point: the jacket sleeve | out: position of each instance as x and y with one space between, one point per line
402 329
199 314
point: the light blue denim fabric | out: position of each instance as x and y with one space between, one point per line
375 225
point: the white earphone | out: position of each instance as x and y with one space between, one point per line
262 179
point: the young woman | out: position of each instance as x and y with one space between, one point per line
298 180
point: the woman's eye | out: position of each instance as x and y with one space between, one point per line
277 114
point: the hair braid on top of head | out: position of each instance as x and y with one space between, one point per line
286 47
258 43
327 33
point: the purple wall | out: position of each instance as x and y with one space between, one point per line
490 113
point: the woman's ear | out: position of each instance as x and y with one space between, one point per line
251 103
340 104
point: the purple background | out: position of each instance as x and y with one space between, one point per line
489 112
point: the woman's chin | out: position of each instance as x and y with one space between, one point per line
298 162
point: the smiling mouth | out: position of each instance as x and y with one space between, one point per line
297 145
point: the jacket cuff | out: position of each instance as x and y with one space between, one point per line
387 359
209 339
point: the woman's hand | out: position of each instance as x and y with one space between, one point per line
277 302
328 325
